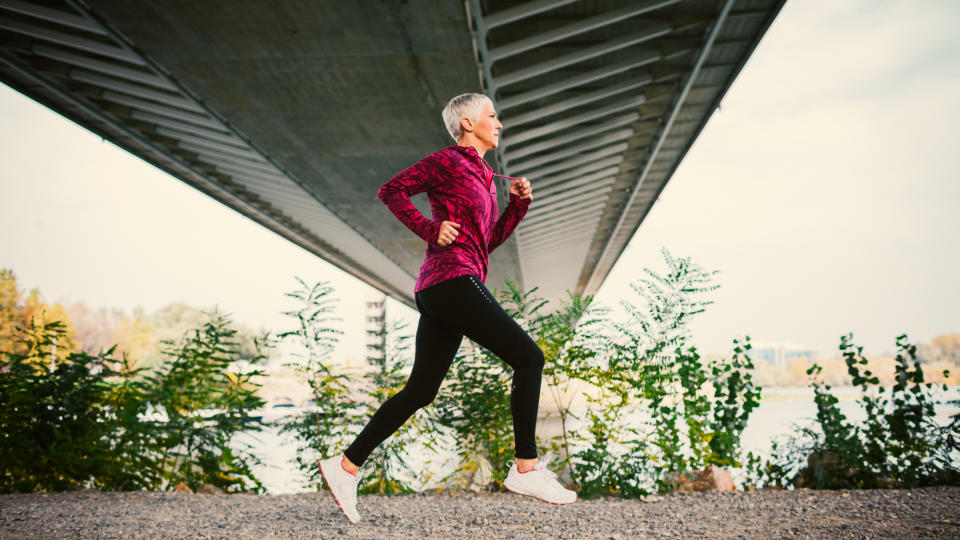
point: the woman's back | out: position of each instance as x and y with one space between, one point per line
459 185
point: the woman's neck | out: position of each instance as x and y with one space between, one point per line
466 140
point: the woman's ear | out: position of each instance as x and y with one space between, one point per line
466 124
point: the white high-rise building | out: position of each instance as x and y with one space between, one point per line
376 326
776 353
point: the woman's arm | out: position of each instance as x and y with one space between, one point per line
508 221
396 192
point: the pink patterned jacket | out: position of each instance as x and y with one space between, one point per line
460 188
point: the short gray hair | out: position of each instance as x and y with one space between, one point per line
463 106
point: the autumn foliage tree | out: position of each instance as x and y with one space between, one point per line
945 348
28 311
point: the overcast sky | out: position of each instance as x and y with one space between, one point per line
826 191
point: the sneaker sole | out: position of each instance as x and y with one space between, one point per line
332 494
540 499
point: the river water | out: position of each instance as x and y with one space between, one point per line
780 411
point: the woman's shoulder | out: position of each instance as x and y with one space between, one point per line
451 152
448 157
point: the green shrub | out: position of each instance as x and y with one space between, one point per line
133 465
645 368
898 444
689 426
735 397
84 422
53 414
204 406
331 426
573 342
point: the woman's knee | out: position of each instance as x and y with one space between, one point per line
539 359
419 398
533 358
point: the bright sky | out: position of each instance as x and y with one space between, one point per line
825 191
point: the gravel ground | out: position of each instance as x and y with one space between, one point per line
920 513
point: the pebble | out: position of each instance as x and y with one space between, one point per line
927 512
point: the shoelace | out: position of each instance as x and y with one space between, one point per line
551 476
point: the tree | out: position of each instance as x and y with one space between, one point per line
947 348
31 312
134 338
141 336
95 329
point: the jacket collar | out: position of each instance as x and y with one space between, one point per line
471 152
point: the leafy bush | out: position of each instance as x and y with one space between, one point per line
133 435
573 341
70 419
203 406
687 428
735 396
645 369
330 426
93 421
898 444
53 415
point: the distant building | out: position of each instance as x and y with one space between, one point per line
778 353
376 324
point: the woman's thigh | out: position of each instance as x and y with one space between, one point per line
435 347
466 305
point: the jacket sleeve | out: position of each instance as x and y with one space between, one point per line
508 221
395 194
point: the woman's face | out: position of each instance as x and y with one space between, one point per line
487 128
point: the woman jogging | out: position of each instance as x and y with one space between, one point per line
453 301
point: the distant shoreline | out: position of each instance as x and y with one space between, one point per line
846 392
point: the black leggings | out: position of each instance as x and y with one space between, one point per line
449 310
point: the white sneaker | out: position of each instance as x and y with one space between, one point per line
342 484
539 483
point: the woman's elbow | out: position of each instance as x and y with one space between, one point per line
384 193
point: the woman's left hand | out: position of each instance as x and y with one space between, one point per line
522 188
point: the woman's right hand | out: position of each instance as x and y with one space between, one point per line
448 233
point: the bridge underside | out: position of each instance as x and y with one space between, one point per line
294 112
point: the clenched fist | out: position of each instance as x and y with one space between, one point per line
448 233
522 188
